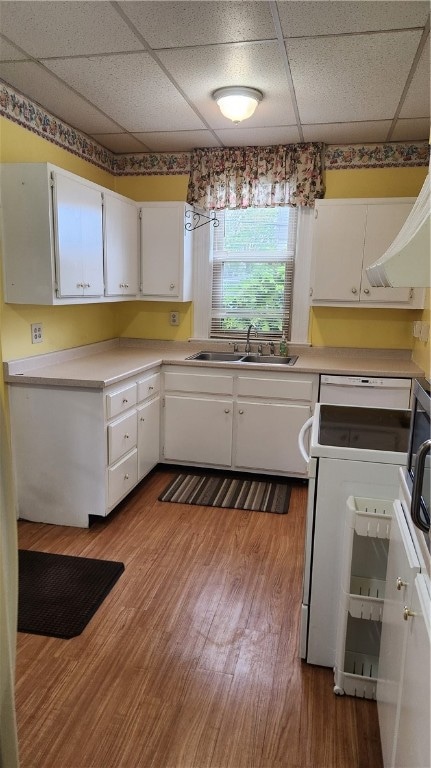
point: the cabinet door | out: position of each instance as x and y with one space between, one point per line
198 430
79 237
148 436
121 247
338 242
413 739
164 245
267 436
383 224
400 574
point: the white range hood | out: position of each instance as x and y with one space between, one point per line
406 263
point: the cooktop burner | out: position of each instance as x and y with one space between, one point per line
377 429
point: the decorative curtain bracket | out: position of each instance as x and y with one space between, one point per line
196 222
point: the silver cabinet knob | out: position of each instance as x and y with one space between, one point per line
172 285
126 437
366 290
125 400
227 410
142 418
407 612
354 290
126 476
241 411
150 389
80 285
400 583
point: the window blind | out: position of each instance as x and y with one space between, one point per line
252 274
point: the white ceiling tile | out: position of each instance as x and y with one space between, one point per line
239 136
306 19
346 133
417 101
200 71
9 52
120 142
131 88
40 86
66 28
351 78
177 141
416 129
171 24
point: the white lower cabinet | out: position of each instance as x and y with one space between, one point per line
198 430
148 436
267 436
77 451
403 688
229 419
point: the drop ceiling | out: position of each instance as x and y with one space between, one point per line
138 76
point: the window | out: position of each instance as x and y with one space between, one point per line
253 258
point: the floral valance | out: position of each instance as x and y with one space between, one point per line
241 177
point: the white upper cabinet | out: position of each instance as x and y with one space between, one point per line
121 246
52 235
166 252
78 232
348 236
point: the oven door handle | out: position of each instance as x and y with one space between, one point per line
417 486
302 449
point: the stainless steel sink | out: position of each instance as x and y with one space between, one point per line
272 359
217 357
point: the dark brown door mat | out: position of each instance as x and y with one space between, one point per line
230 490
58 594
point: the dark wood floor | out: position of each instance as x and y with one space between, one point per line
192 659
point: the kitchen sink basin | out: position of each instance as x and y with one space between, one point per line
272 359
217 357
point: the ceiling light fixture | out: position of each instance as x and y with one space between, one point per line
237 103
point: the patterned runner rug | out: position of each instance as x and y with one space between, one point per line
234 492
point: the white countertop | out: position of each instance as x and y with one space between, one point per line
100 365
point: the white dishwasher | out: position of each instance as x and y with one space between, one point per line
372 391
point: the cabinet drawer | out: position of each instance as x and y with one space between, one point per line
196 382
122 436
148 387
117 402
282 389
122 477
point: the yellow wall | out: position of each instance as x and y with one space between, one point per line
422 349
70 326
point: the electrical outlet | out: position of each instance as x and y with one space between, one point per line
174 318
36 333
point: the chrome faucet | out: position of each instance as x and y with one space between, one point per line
248 345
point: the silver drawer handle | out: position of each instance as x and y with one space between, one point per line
400 583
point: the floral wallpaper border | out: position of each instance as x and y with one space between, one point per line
18 108
395 154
